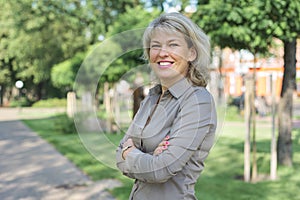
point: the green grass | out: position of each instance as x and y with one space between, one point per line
221 179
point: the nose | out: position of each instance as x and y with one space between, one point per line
163 52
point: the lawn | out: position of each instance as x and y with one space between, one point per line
221 179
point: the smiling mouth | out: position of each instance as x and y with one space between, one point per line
165 64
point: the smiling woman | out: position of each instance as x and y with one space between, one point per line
173 131
179 26
170 56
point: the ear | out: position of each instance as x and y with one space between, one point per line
192 54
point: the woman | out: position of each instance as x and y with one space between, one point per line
165 146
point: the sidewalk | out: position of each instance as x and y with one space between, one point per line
31 169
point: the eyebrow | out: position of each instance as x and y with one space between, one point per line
155 41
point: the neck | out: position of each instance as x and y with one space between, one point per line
164 88
168 83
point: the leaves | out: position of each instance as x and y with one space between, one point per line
37 35
249 24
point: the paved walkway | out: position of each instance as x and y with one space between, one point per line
31 169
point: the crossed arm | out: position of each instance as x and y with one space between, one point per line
188 134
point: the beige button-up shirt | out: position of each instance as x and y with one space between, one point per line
187 114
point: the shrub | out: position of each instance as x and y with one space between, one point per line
50 103
22 102
64 124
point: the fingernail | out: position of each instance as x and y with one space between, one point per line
164 147
167 137
167 143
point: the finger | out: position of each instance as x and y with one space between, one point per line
163 143
157 151
128 142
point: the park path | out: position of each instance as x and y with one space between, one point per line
31 169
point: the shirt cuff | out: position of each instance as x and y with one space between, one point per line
131 158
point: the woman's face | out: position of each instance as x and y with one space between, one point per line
169 56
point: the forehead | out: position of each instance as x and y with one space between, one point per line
165 34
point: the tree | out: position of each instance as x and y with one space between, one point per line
136 26
285 16
35 39
281 19
229 23
7 71
36 35
64 73
252 25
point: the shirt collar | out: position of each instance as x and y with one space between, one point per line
176 90
179 87
155 90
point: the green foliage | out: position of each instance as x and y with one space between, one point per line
63 124
35 39
37 35
136 25
95 65
250 25
63 74
4 75
231 24
50 103
283 17
126 21
20 102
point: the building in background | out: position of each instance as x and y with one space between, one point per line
236 65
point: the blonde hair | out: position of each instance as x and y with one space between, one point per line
198 69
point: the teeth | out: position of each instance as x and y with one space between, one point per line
165 63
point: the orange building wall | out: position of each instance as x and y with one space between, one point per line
233 81
261 86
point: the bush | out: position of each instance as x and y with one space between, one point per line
50 103
64 124
22 102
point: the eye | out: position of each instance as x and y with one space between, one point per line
155 46
174 45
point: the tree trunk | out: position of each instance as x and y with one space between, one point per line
247 143
284 143
107 104
273 159
253 111
39 91
220 83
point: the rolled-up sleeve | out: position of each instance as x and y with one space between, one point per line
195 120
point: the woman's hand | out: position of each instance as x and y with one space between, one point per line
162 146
128 143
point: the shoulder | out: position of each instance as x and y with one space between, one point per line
199 95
